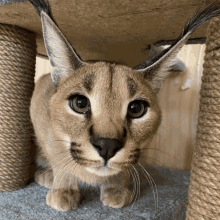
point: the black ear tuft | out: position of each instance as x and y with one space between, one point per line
157 67
41 5
202 15
63 58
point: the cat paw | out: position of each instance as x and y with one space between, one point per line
63 199
116 198
44 177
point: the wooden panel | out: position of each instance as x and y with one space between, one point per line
173 145
42 67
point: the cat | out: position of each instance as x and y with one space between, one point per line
93 119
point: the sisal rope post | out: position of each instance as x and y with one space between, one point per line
17 68
204 187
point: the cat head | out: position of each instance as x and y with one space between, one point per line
104 111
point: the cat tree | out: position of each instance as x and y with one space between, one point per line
17 67
203 193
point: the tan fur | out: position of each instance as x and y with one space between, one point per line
57 125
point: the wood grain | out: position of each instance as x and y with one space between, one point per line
173 145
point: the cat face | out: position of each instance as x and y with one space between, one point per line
105 112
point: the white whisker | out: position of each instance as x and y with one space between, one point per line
151 181
47 169
134 188
66 169
71 174
160 151
135 174
62 168
58 174
139 182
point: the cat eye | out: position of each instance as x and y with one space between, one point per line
137 108
79 103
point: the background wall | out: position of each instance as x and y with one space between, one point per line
179 100
180 106
42 67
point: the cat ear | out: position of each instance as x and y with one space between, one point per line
157 68
62 56
177 66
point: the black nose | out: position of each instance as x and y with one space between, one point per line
106 147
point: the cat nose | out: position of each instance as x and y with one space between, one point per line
106 147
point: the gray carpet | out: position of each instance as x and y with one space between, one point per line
29 202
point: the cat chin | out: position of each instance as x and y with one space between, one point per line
104 171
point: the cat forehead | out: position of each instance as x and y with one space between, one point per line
107 77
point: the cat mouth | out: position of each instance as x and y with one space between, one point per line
102 170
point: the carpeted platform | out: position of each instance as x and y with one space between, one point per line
29 203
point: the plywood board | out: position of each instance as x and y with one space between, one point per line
109 29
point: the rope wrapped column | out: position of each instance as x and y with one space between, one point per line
204 187
17 68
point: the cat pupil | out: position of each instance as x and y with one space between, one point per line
135 107
81 102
